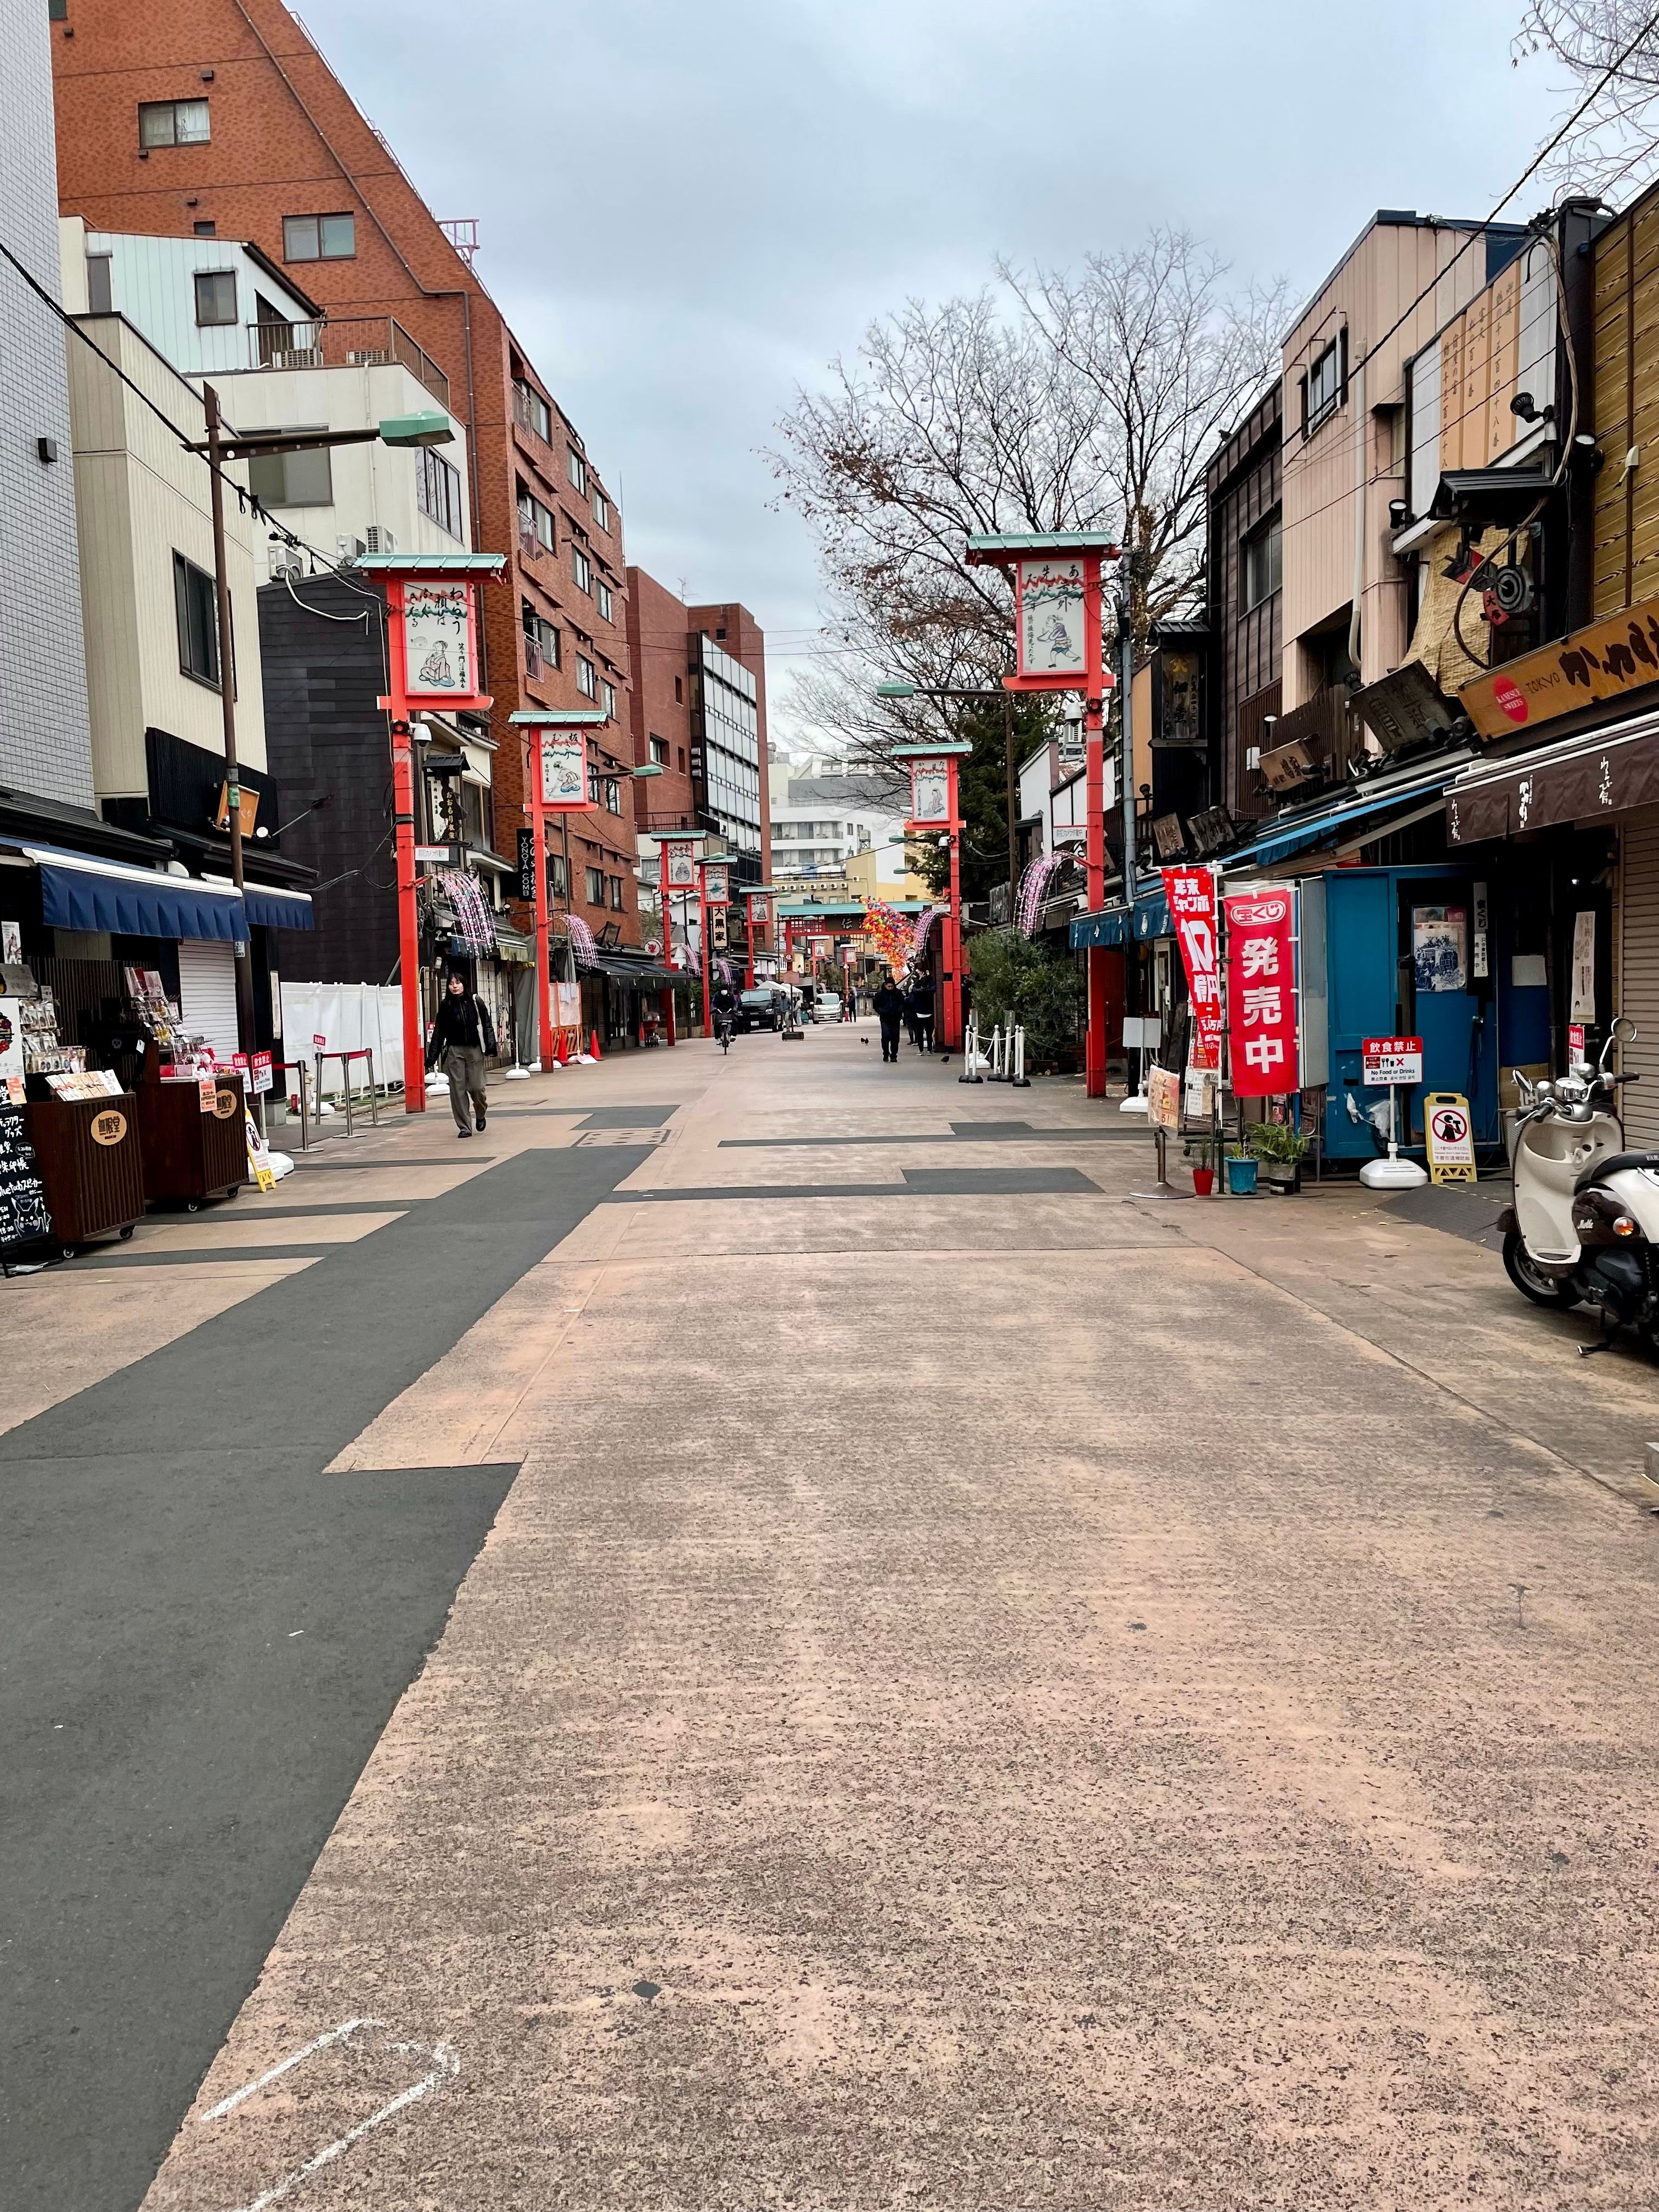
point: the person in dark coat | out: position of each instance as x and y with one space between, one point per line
461 1037
889 1003
921 1013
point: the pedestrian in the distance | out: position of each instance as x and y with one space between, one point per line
889 1004
461 1037
922 1005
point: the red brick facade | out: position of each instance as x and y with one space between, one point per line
659 626
286 140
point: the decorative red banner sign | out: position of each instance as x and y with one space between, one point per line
1261 993
1190 896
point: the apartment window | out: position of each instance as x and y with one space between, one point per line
660 752
559 868
612 795
196 608
533 518
533 411
575 468
1261 564
292 479
542 633
320 237
680 755
1325 384
604 599
173 123
100 293
610 691
209 229
616 894
596 886
216 297
601 509
58 11
679 691
438 491
592 783
587 681
581 569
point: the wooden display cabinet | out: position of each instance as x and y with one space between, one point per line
90 1164
189 1156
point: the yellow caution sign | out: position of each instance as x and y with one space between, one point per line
1449 1134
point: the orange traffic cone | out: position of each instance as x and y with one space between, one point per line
593 1045
564 1050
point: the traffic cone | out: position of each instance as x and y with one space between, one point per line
593 1045
564 1048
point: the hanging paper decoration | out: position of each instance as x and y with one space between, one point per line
474 924
891 934
723 970
923 930
1034 889
581 941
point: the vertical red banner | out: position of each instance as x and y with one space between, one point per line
1261 993
1189 894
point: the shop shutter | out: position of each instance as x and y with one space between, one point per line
207 993
1639 898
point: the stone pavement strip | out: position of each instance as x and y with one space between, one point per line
1002 1694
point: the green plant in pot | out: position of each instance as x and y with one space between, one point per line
1281 1150
1200 1151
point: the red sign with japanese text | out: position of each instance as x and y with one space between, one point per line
1189 894
1262 993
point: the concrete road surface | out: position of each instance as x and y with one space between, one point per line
983 1686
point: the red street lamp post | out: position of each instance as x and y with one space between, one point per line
934 804
556 781
1056 581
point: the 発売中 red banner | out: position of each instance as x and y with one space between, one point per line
1262 993
1189 893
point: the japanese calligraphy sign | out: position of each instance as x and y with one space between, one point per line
1604 661
1385 1062
440 642
1190 896
1050 627
679 858
1262 993
564 768
715 883
930 792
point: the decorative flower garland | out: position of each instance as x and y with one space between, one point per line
474 923
581 941
1034 889
890 933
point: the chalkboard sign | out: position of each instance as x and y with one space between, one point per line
23 1216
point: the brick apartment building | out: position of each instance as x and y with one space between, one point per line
220 118
698 713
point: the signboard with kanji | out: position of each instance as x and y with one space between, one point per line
441 654
1190 896
1050 625
1163 1098
716 881
1261 1032
1385 1062
564 768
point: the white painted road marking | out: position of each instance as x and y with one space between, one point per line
444 2068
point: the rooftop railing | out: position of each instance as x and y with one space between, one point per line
353 342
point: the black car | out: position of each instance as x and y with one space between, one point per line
761 1008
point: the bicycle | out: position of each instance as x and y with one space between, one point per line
723 1031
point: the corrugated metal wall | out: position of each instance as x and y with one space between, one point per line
1628 409
1638 965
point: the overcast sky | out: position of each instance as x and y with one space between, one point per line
687 208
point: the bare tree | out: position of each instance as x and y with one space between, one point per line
1608 51
1053 403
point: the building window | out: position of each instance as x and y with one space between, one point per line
216 297
592 783
616 894
100 293
1259 564
560 868
438 491
596 887
680 696
604 599
320 237
173 123
680 755
581 569
534 520
209 229
601 509
532 411
542 634
576 468
587 681
196 607
1325 385
292 479
660 752
610 691
612 795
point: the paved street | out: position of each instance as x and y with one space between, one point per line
965 1687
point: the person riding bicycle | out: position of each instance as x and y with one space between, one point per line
726 1013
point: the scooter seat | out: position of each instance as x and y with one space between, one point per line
1598 1170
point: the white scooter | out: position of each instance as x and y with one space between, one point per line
1584 1226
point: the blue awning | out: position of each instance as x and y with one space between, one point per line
271 907
1116 926
1277 841
80 891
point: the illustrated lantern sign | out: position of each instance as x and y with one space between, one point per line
564 769
1052 629
680 864
440 642
716 878
930 794
760 910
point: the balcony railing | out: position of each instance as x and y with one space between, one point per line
355 341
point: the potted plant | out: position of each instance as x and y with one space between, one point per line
1200 1151
1241 1171
1281 1150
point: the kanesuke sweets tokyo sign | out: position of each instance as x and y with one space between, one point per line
440 642
1262 993
1189 894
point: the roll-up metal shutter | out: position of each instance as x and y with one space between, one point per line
207 993
1639 976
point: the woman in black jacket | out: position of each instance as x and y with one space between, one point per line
889 1003
461 1037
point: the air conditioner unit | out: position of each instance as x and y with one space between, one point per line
350 548
380 541
284 561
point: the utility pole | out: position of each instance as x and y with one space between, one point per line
245 1038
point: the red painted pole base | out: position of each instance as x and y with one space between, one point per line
1094 1051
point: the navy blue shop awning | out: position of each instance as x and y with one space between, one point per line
273 908
80 892
1115 925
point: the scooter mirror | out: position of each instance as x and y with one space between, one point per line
1624 1029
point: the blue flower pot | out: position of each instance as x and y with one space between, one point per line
1240 1177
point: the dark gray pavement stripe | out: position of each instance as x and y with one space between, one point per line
990 1132
172 1756
103 1257
998 1183
921 1183
629 1117
356 1167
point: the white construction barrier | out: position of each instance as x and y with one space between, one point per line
352 1018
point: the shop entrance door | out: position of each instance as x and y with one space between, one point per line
207 993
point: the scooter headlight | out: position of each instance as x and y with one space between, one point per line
1624 1226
